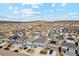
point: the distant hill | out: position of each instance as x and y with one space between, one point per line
38 21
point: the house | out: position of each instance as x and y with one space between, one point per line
20 32
52 34
13 39
41 41
69 46
35 34
61 29
65 30
63 48
19 40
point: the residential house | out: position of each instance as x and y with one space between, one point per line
69 46
13 39
41 42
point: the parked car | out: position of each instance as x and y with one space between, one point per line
50 52
31 51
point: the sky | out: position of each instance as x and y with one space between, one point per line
39 11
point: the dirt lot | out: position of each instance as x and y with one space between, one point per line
10 53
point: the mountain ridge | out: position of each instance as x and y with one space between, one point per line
38 21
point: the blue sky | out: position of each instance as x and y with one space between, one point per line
39 11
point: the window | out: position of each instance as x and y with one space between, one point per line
71 50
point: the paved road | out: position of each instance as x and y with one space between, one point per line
10 53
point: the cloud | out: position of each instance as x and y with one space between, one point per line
16 8
29 12
38 12
24 12
53 5
70 16
51 11
63 4
12 17
10 7
72 13
48 11
60 9
45 11
36 5
25 4
15 12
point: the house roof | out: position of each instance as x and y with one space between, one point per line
1 35
41 40
70 45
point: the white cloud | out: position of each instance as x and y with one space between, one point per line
29 12
38 12
51 11
53 5
25 12
12 17
16 8
36 5
15 12
70 16
25 4
73 13
45 11
63 4
10 7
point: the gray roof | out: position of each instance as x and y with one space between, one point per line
70 45
63 49
1 35
35 34
41 40
19 41
20 32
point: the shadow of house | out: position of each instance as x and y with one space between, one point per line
1 37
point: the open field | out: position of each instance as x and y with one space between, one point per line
10 53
